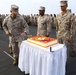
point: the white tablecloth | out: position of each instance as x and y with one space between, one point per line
36 60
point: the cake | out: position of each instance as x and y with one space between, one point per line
42 41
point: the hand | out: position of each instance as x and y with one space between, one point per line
23 34
7 33
70 39
47 35
60 41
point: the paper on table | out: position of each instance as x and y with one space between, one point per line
57 47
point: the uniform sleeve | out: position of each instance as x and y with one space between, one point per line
56 24
49 23
72 23
5 25
25 26
75 24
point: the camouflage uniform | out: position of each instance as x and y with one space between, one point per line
65 29
44 25
32 20
75 24
15 27
1 21
52 20
10 42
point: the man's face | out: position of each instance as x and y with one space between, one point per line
14 12
63 8
41 12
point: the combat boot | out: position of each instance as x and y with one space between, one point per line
11 52
15 62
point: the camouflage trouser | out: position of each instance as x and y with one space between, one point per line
10 42
15 49
69 46
14 46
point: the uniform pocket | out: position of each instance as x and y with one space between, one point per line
67 25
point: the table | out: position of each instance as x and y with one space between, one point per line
36 60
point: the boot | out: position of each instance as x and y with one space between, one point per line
15 62
11 51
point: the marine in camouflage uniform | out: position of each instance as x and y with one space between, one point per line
65 27
1 21
75 22
16 27
44 23
54 20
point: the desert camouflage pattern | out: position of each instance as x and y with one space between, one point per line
15 27
65 29
44 25
65 26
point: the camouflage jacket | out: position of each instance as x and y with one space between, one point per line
15 26
44 25
65 26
